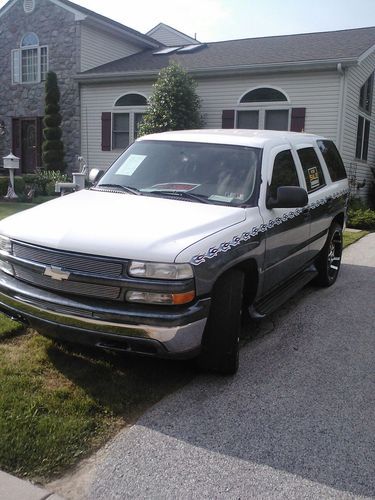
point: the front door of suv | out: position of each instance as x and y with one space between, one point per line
287 229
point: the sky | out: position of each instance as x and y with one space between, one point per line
213 20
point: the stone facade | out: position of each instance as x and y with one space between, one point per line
57 29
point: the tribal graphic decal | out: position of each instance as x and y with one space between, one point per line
236 240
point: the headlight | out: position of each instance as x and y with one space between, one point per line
5 244
160 271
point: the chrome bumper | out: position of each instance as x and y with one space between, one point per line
44 310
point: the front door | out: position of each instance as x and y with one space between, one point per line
27 142
28 145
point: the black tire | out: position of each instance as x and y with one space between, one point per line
329 260
221 338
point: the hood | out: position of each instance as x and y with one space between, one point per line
120 225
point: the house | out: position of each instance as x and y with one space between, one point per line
318 82
58 35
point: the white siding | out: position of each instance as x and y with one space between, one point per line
96 99
356 77
318 92
170 37
99 47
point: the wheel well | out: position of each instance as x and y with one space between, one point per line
339 219
250 270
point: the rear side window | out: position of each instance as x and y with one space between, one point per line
284 172
333 160
312 169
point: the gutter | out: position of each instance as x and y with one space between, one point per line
222 70
340 118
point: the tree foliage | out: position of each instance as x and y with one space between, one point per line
52 147
174 104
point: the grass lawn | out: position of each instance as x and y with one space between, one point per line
9 208
351 237
57 405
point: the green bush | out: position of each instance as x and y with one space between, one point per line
174 104
52 147
361 218
45 182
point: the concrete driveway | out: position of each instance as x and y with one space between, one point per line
298 421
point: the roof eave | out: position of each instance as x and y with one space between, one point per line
257 68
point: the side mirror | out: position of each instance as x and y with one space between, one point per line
95 175
288 197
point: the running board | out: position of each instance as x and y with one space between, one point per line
275 299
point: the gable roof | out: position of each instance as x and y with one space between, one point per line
163 32
310 49
81 14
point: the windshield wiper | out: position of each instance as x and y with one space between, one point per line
127 189
180 194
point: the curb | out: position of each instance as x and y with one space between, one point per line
12 488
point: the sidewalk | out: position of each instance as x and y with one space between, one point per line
12 488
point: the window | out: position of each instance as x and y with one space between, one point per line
284 172
365 95
257 110
30 61
312 169
333 160
125 121
363 132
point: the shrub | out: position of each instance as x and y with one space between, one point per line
52 148
174 104
45 182
361 218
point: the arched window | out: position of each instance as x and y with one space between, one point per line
264 94
30 61
125 122
131 100
263 108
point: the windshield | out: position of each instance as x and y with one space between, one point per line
212 173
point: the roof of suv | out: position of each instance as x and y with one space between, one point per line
242 137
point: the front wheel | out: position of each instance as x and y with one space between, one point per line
329 261
221 338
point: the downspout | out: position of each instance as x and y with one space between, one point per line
341 114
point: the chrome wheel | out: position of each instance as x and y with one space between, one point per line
334 255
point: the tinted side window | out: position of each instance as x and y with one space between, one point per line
312 169
333 160
284 172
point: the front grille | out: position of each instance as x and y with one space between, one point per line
67 286
68 261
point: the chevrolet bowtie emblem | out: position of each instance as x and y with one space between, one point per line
56 273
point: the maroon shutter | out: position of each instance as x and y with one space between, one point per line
227 120
106 131
297 123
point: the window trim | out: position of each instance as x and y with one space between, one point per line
19 53
366 120
131 111
262 112
367 85
288 101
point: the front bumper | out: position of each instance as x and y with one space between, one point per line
169 331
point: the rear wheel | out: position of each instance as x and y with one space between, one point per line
221 338
329 261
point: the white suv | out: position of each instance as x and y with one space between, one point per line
181 233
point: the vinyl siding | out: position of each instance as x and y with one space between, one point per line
318 92
170 37
99 47
359 169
